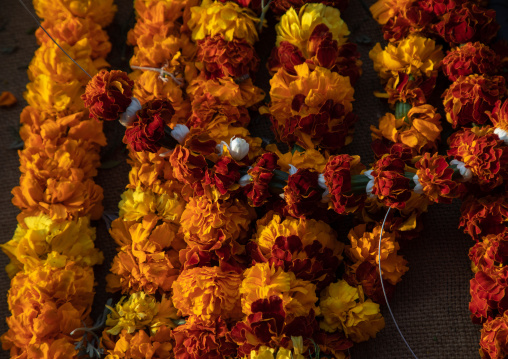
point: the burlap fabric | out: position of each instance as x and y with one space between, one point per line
431 302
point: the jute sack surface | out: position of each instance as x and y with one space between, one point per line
431 302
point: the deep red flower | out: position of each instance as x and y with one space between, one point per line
467 23
367 275
413 19
469 99
484 216
390 184
488 294
286 55
440 7
323 46
492 251
494 338
468 59
147 130
225 175
302 194
108 94
257 191
222 58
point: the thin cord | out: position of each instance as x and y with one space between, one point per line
43 29
383 286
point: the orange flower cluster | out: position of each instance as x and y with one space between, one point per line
52 250
314 68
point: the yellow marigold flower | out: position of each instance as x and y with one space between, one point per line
48 133
226 90
59 198
158 51
365 246
205 222
46 95
345 308
383 10
71 30
39 239
273 225
415 55
138 203
208 292
270 353
156 18
261 281
148 259
226 19
50 60
148 87
99 11
310 158
316 86
419 129
296 28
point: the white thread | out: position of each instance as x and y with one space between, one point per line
502 134
128 117
465 172
418 186
370 185
179 133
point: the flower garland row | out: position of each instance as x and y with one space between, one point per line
52 251
477 97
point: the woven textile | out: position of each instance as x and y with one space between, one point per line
431 302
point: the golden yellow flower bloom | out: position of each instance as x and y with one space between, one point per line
270 353
310 158
70 30
261 281
46 95
364 247
50 60
62 348
296 28
226 19
141 311
345 308
415 55
206 223
138 203
226 90
208 292
273 225
148 258
99 11
39 239
383 10
316 86
419 129
148 87
158 51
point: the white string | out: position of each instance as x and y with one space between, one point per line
56 43
383 286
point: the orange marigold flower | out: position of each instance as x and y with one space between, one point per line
470 58
59 198
469 99
419 129
345 308
365 248
148 257
203 339
62 348
383 10
263 280
485 155
226 90
108 94
99 11
208 293
435 179
228 19
208 110
210 224
494 338
490 253
488 292
70 30
499 118
309 158
139 345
